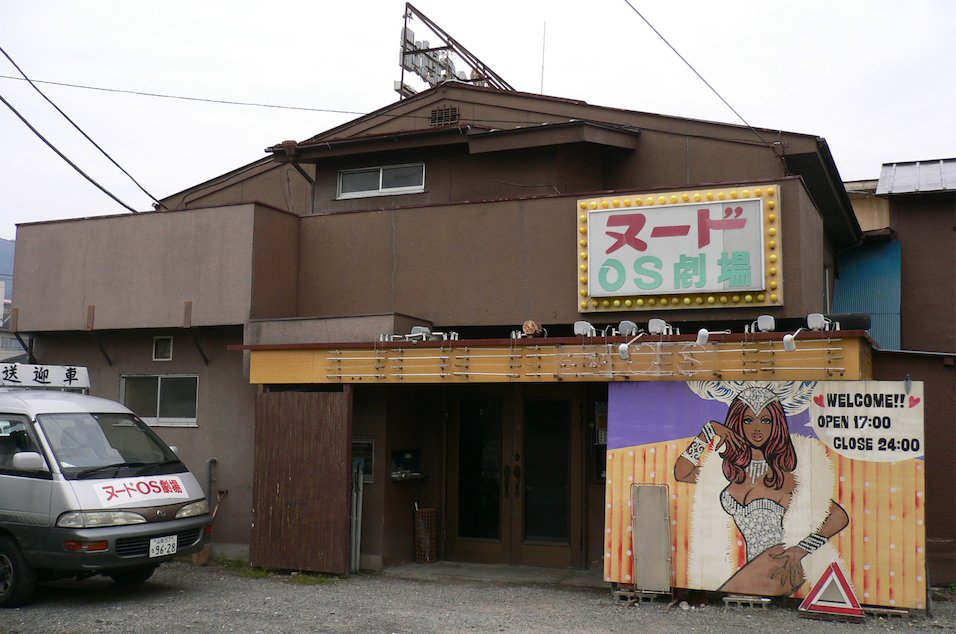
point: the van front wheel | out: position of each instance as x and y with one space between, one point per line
132 576
18 581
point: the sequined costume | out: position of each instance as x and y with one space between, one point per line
760 522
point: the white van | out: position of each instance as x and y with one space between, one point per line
86 488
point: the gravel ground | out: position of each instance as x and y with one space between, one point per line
184 598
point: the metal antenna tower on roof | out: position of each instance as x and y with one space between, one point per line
437 64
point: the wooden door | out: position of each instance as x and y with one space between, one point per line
301 497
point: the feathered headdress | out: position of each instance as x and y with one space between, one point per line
794 396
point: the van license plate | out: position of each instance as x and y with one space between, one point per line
159 546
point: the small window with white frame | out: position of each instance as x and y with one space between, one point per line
162 399
162 348
382 181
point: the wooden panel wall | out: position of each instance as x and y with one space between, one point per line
883 548
302 491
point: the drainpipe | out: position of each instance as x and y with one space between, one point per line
210 464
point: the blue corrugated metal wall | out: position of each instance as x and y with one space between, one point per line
869 283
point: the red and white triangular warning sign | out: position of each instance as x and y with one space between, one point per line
832 596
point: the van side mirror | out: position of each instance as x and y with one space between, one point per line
175 450
29 461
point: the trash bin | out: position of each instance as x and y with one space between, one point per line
425 536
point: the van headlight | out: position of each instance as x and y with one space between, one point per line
96 519
200 507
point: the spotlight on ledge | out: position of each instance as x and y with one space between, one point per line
790 340
627 329
584 329
661 327
817 321
764 323
624 350
703 335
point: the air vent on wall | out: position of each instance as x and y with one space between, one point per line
444 116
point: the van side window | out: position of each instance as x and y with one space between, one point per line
14 438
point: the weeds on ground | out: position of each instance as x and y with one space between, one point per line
944 593
310 579
241 567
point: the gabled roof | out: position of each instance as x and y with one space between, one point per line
457 113
479 139
220 182
412 109
500 110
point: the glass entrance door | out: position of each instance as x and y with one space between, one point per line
480 470
515 479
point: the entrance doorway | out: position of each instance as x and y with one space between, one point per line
515 477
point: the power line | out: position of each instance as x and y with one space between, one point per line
701 77
80 130
329 110
201 99
63 156
229 102
281 107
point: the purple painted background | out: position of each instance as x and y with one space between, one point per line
645 413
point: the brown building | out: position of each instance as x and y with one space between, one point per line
455 210
903 274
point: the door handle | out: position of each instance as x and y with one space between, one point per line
517 481
507 477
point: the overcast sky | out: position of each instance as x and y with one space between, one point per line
873 77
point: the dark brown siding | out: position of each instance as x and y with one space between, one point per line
674 160
925 225
452 175
501 262
939 376
275 264
416 421
280 186
302 491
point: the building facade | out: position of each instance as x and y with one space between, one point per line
427 296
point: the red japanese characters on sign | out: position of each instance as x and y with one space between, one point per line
674 249
125 491
705 224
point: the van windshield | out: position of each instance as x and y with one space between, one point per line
106 446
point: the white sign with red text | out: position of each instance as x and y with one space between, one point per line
673 249
125 491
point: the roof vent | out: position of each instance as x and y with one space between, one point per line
444 116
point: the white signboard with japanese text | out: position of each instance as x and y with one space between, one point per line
699 247
50 376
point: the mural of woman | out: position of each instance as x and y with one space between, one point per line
774 486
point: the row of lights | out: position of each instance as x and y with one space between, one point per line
683 197
763 323
627 328
421 333
697 300
719 299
